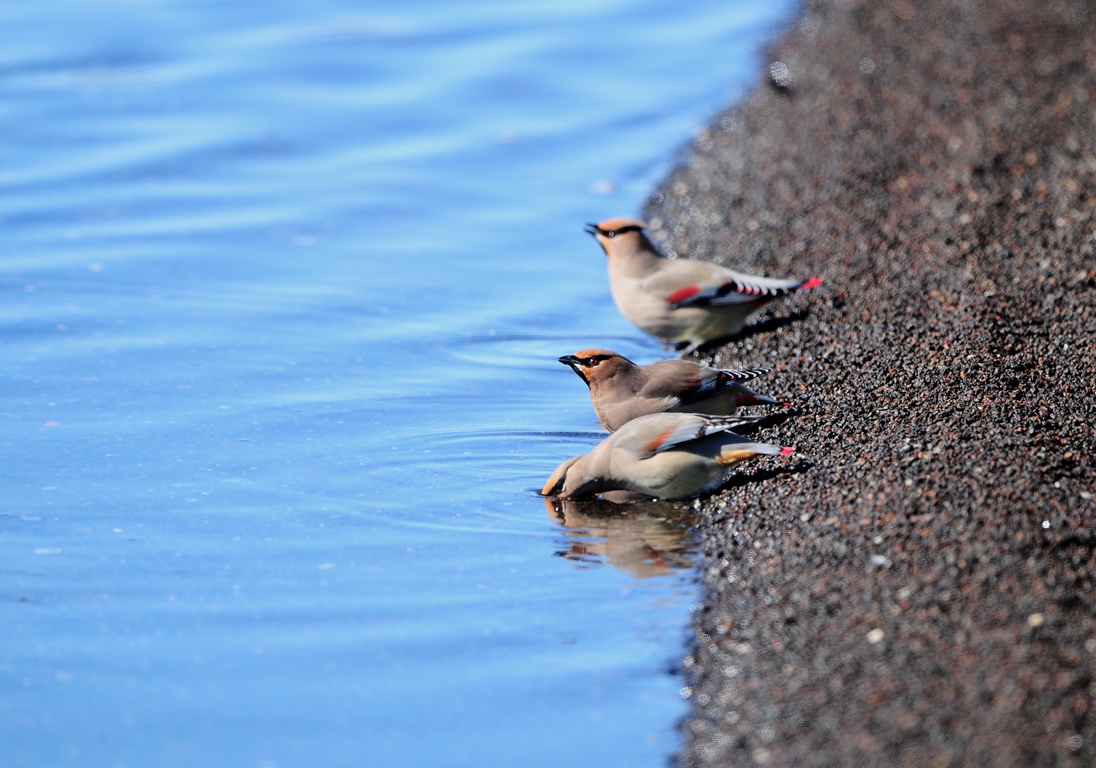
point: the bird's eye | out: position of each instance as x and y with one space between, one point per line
592 362
611 233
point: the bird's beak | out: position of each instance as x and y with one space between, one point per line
576 366
591 229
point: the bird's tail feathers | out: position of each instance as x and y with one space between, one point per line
749 397
736 452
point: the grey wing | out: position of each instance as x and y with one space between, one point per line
719 286
721 382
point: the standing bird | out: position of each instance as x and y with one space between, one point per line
681 300
666 455
622 390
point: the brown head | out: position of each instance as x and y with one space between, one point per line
618 234
556 483
598 365
578 477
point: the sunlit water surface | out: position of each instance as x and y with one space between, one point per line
283 288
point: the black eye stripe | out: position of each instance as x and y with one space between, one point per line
620 231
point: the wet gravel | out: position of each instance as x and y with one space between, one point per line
917 588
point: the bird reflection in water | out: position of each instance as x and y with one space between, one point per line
637 534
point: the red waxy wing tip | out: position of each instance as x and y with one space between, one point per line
813 282
788 451
655 444
683 293
788 405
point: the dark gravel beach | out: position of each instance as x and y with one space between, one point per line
917 587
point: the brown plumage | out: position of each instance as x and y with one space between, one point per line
621 390
665 455
681 300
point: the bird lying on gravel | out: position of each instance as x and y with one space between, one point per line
681 300
665 455
622 391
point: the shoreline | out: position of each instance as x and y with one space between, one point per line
921 590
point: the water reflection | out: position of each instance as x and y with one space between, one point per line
279 338
639 535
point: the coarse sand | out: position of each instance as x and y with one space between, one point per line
916 586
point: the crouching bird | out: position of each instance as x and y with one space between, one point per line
665 455
681 300
622 391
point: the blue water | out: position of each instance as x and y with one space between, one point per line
283 288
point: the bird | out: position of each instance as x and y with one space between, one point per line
664 455
683 301
621 390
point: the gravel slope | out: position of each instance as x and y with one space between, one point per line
917 587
